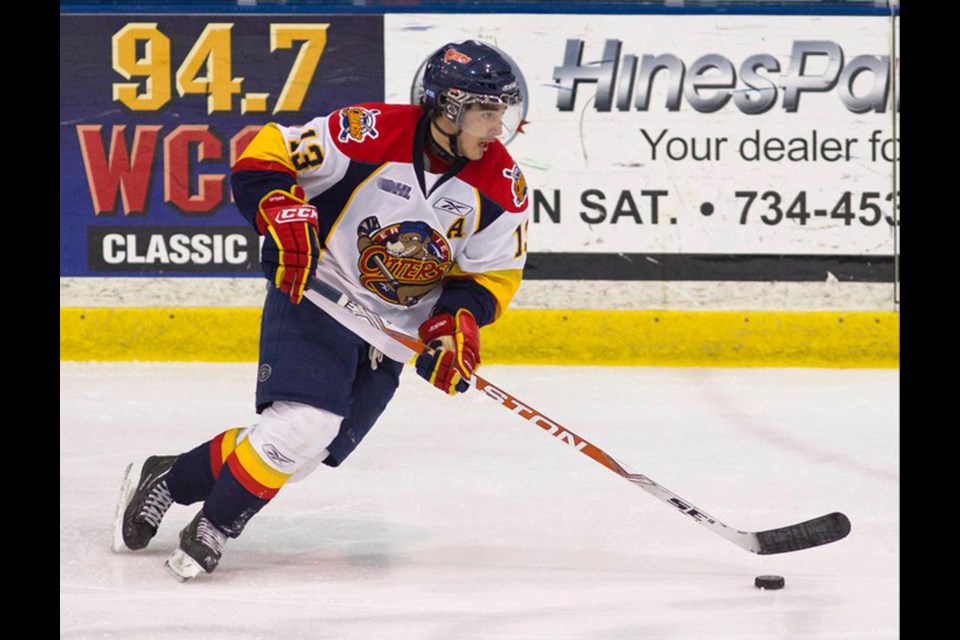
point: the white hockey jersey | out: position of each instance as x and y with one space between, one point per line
393 233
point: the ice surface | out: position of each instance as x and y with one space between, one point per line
457 519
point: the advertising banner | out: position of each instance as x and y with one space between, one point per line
657 147
155 109
694 147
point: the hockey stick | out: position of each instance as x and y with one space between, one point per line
803 535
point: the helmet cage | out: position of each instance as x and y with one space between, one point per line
454 105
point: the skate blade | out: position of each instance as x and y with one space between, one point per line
182 567
127 488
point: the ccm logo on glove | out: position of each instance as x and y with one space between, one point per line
291 242
296 214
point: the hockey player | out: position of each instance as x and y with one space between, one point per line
416 212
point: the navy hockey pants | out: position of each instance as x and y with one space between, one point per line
308 357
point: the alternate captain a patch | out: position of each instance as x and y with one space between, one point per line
357 123
518 184
403 262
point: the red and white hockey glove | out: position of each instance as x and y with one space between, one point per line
291 241
454 354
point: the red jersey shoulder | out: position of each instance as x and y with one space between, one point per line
374 131
498 177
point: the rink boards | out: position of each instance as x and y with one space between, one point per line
706 189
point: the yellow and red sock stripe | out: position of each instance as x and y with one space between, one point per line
220 448
253 474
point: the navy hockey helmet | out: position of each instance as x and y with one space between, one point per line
459 75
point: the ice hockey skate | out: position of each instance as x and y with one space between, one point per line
201 544
144 499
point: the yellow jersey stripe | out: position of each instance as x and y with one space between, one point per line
502 284
268 145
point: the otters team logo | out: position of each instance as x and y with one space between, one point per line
357 123
402 262
518 184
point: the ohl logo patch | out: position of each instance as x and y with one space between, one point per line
518 184
357 123
403 262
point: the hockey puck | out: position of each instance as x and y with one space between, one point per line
769 582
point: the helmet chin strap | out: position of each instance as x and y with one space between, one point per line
448 156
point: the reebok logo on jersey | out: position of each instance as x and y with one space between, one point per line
449 205
296 214
394 187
